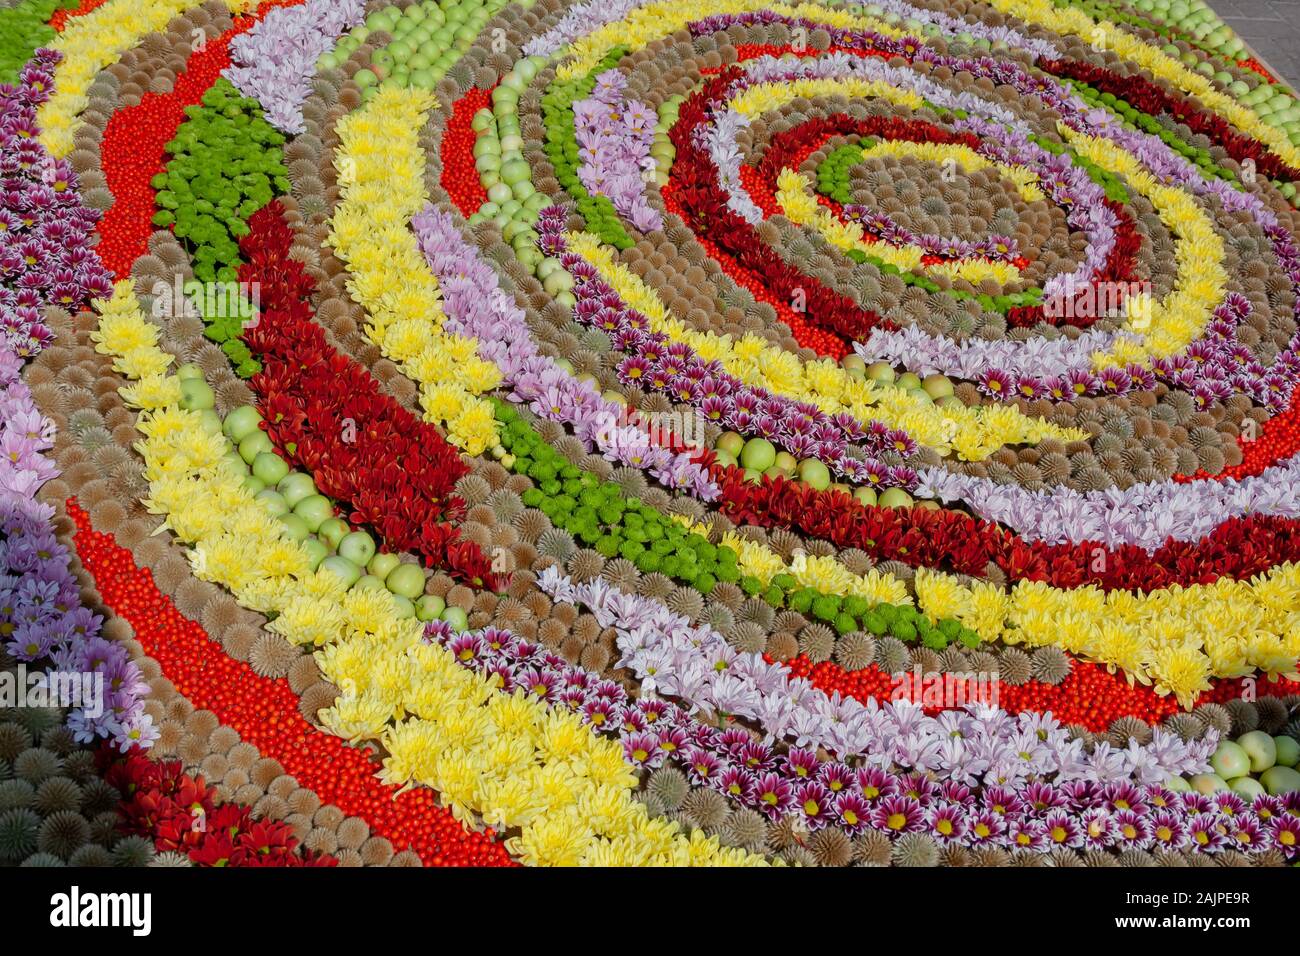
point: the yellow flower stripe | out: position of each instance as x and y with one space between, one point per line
1200 280
506 758
657 20
92 42
1175 638
1069 20
794 196
972 433
765 97
824 574
381 175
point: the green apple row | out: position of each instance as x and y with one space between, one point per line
1253 764
428 39
307 516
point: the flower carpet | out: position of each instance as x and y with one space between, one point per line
647 433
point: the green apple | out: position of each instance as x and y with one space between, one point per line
358 547
406 580
382 563
814 473
195 394
775 472
403 607
254 485
295 526
332 531
759 454
368 582
314 509
1288 751
296 486
210 421
1247 787
937 386
342 568
316 552
253 445
725 459
928 504
753 475
1260 748
189 371
867 496
1208 783
908 381
456 617
882 373
429 607
241 423
949 401
895 498
270 467
786 462
854 365
1278 780
1178 785
273 501
1230 760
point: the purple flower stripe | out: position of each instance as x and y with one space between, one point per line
614 138
696 665
41 617
275 61
46 258
477 307
1036 817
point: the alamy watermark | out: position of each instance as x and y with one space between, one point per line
82 690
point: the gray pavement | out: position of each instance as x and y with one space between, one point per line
1271 28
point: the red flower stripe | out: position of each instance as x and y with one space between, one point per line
1144 95
459 175
1239 548
328 416
706 213
180 814
132 148
1091 696
821 341
265 713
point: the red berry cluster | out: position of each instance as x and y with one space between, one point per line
327 415
60 17
1277 439
1090 696
180 814
264 712
459 174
